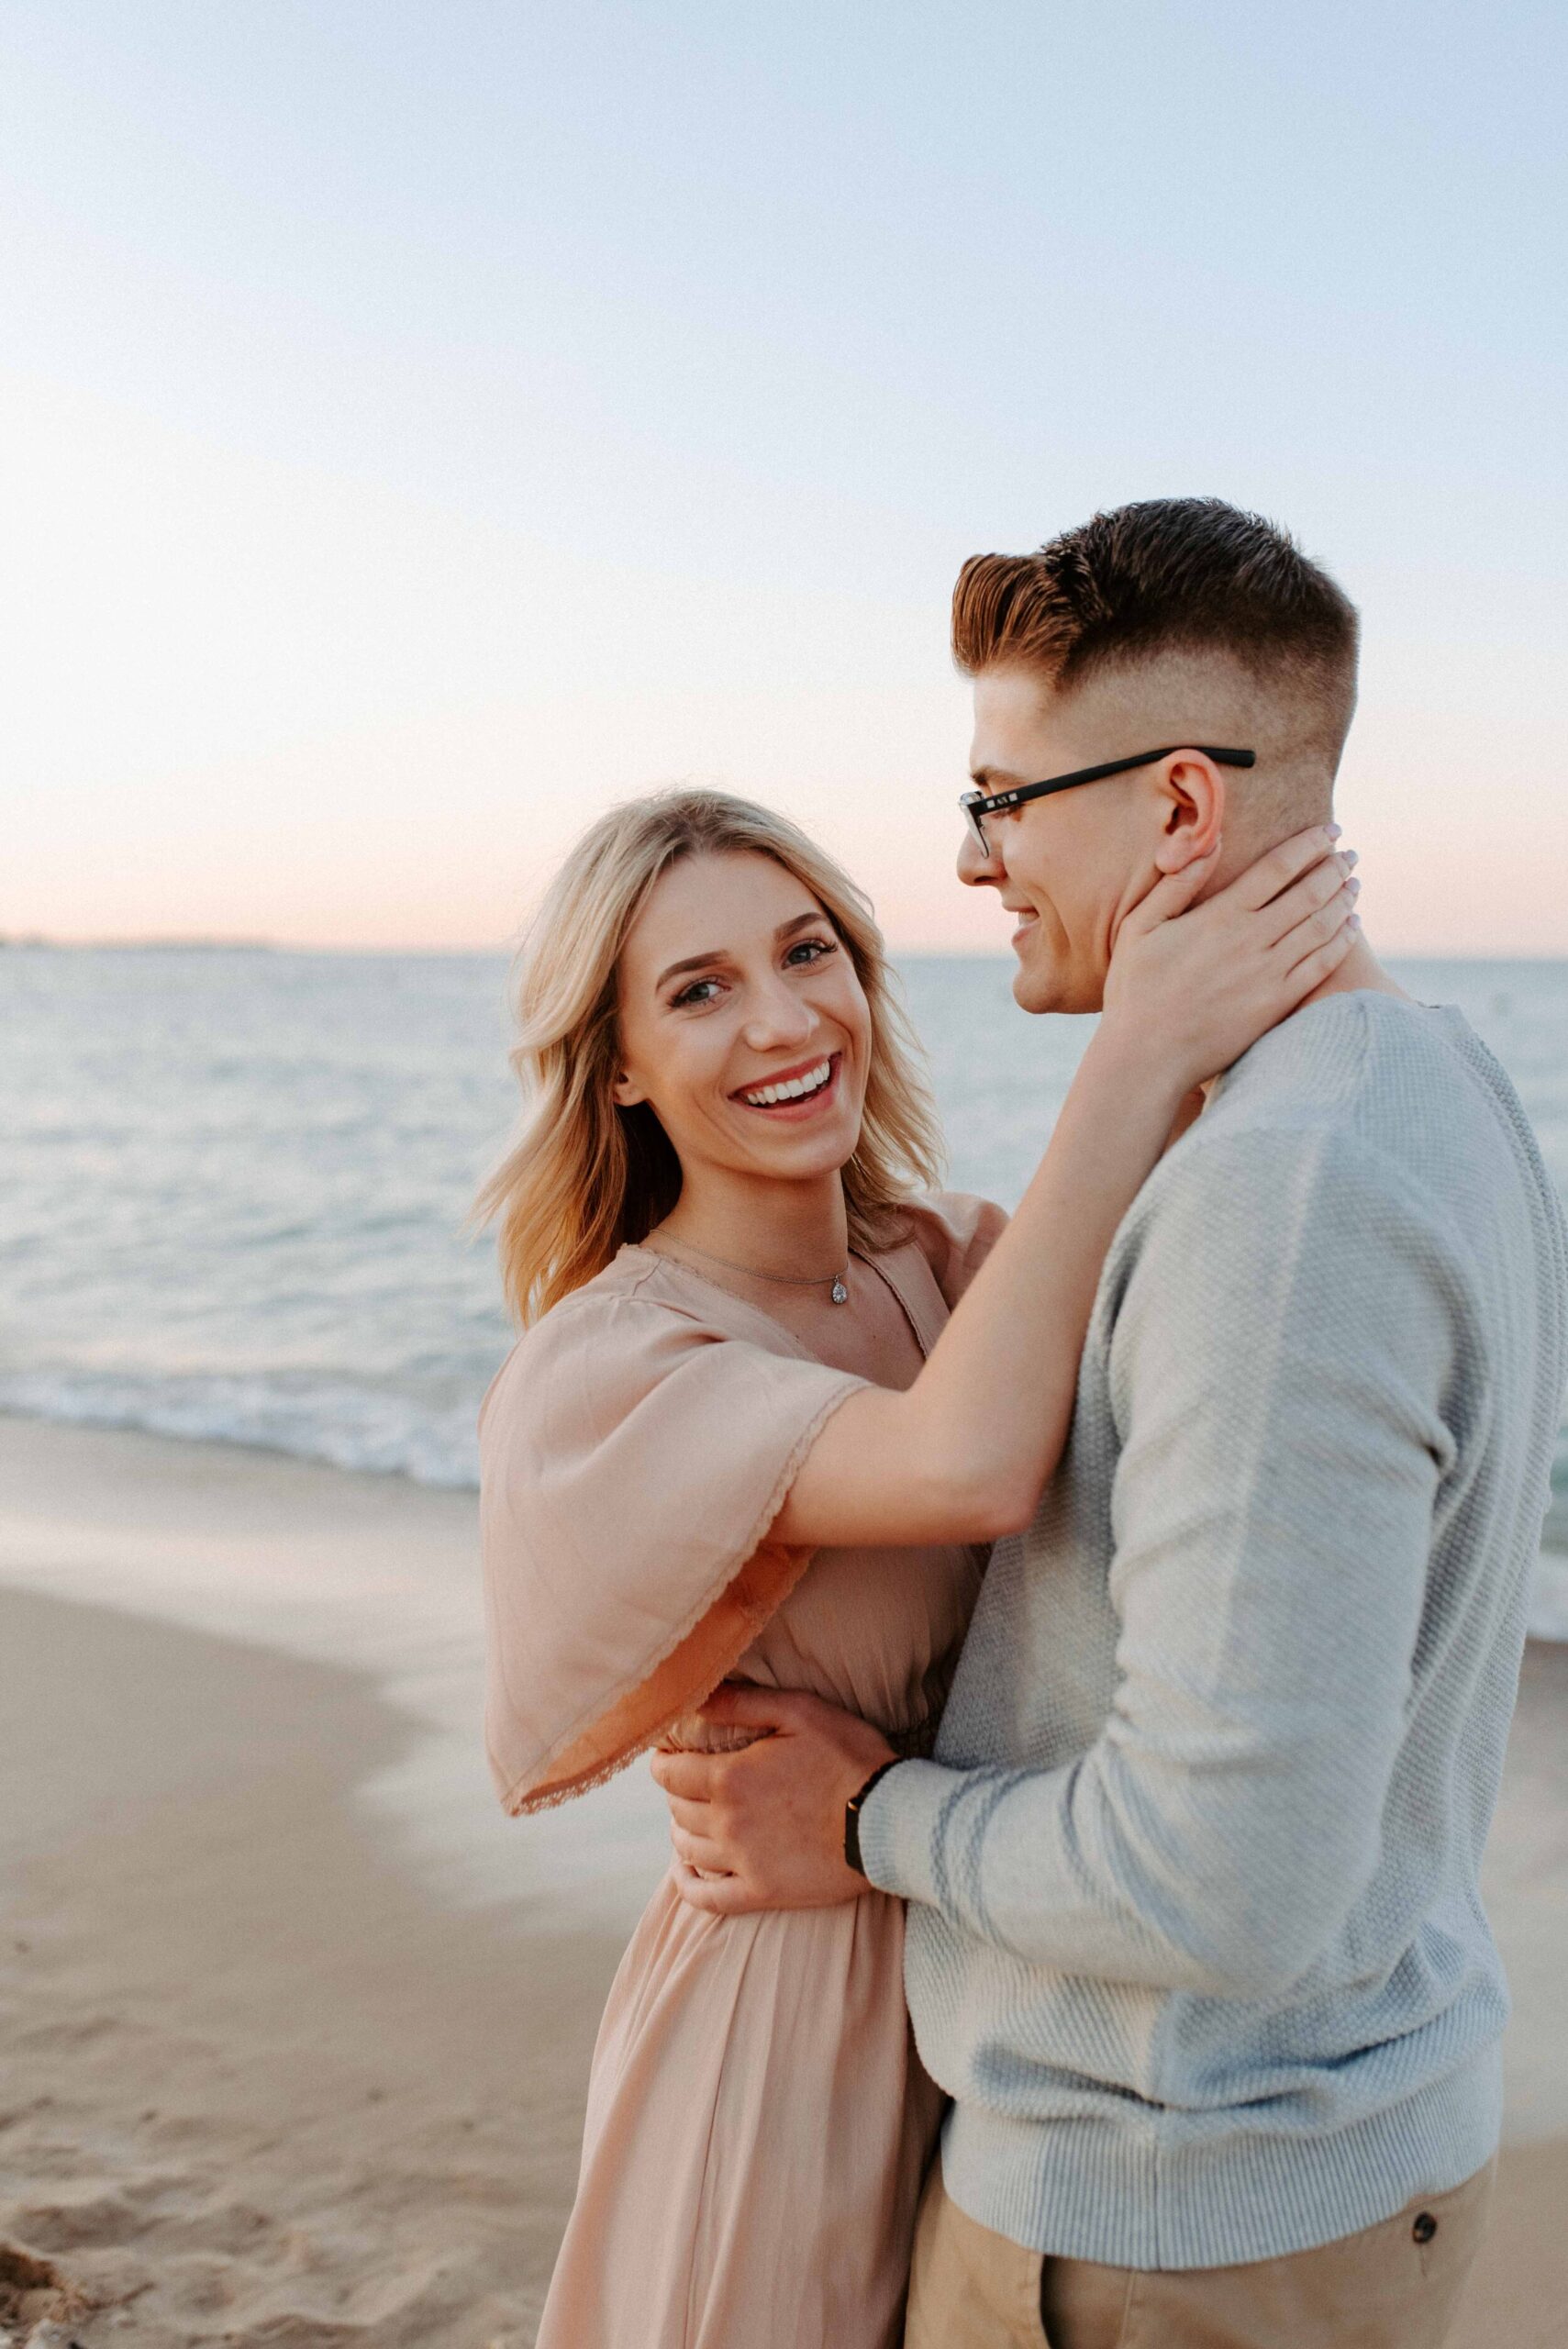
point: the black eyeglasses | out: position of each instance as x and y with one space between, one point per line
976 805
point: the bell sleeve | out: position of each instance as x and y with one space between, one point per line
633 1459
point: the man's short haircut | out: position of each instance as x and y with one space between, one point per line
1167 575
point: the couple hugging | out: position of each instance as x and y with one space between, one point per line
1078 1651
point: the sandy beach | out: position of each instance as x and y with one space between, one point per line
296 2026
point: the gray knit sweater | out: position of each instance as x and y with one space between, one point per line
1194 1936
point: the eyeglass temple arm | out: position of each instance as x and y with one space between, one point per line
981 801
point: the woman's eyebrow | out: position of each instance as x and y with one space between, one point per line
717 953
692 962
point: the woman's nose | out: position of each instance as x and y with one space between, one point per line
777 1015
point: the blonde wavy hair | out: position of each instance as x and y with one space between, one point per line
585 1176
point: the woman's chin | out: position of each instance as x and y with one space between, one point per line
796 1152
798 1164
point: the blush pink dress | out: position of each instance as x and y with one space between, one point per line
758 2122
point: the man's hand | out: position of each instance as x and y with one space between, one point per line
764 1828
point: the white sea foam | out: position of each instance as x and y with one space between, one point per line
347 1426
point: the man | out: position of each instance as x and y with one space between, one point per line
1195 1941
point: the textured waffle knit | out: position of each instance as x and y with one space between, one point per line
1196 1939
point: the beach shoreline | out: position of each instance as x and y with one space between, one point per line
284 2070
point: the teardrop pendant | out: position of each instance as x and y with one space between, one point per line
840 1293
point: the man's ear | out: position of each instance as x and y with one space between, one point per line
1191 790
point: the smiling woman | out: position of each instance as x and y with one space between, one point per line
772 1398
620 1001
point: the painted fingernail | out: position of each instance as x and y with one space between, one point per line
1350 855
1355 921
1334 831
1353 888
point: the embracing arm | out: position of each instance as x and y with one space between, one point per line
963 1454
1278 1360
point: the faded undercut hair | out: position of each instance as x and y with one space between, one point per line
1170 576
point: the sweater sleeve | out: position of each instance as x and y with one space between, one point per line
1281 1326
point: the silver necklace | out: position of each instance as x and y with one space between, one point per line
836 1284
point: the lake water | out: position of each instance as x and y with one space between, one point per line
233 1181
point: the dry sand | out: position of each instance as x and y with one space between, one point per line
275 2072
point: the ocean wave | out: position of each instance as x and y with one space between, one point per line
382 1433
1557 1515
343 1425
1549 1602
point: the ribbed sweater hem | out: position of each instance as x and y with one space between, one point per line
1118 2191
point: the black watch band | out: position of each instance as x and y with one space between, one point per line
853 1815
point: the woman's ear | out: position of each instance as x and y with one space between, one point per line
626 1092
1192 790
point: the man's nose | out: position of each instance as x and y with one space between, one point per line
980 868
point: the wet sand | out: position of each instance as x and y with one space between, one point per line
276 2072
260 2086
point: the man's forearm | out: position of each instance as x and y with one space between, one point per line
1093 1869
1273 1504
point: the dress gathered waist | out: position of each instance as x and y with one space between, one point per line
692 1734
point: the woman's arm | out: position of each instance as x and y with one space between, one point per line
963 1454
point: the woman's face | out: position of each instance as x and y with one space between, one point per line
742 1022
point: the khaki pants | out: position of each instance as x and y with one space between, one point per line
1395 2286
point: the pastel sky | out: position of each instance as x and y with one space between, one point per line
423 424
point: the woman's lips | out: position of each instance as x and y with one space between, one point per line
794 1112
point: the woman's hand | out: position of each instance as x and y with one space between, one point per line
1194 986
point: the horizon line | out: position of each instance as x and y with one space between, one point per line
204 943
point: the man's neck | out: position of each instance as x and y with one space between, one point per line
1360 973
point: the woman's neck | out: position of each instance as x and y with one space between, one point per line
790 1230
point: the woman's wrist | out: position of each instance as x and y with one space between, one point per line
1126 1059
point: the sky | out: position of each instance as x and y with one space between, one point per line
421 426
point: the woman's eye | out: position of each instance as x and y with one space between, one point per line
695 994
808 951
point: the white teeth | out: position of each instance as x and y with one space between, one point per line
796 1089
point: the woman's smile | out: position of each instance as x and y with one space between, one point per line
793 1095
